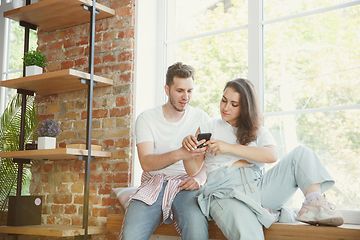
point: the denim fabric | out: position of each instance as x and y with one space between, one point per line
227 198
141 219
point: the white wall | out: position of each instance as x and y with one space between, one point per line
149 62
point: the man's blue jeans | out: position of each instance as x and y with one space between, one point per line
141 219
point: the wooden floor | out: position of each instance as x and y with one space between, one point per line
277 231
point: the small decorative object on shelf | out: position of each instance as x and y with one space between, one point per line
48 130
34 62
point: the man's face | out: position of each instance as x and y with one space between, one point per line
180 93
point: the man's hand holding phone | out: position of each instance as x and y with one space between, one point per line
191 143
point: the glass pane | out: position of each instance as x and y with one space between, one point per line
16 45
190 17
313 61
334 137
280 8
217 59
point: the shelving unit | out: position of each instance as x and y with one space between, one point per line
52 15
54 154
66 80
51 230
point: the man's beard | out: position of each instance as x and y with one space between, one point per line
172 102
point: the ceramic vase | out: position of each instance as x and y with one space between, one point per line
46 143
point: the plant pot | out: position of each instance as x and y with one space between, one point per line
46 143
33 70
17 3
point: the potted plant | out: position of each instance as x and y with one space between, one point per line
47 130
34 62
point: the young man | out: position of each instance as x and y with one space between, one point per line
166 191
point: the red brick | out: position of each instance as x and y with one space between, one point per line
63 199
51 220
105 167
64 220
108 143
67 64
116 112
123 3
74 52
109 58
78 199
94 200
121 143
126 56
109 36
101 26
52 56
107 189
121 166
122 101
57 209
55 46
79 166
63 188
68 33
125 11
76 220
53 66
82 40
48 168
126 33
100 113
97 60
70 209
121 154
96 178
106 201
81 61
77 188
116 178
68 43
126 67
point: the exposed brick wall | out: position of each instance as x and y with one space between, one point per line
61 183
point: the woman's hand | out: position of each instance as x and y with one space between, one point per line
217 146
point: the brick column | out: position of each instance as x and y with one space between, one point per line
61 183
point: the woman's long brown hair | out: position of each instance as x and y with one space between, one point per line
250 117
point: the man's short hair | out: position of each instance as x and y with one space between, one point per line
179 70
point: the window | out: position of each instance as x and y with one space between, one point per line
12 48
303 57
308 66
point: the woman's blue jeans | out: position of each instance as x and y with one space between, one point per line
141 220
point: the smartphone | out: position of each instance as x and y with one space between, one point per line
205 136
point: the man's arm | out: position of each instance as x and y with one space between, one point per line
153 162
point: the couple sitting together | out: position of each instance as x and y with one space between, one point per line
237 192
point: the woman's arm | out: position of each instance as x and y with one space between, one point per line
266 154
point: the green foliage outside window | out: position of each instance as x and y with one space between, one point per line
310 62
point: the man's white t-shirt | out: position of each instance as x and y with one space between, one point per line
221 130
151 126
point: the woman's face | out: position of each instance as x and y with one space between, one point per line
230 106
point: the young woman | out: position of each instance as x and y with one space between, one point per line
237 190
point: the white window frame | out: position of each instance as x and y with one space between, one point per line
151 62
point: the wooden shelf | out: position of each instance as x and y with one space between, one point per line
52 15
66 80
51 230
53 154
